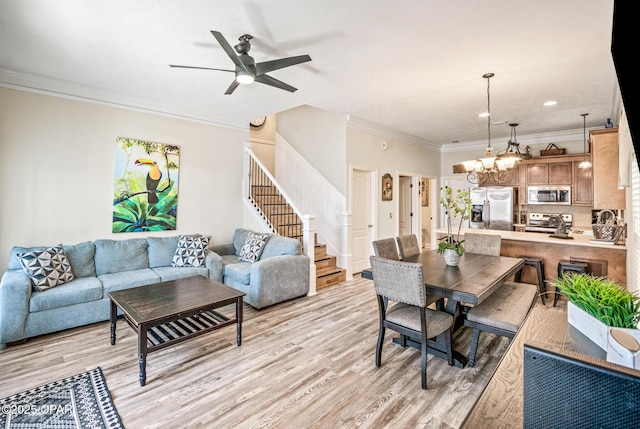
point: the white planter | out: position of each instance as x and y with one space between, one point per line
591 327
451 257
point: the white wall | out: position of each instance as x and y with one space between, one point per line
320 137
57 170
366 149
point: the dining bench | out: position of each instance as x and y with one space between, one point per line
502 313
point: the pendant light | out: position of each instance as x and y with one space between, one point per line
490 166
586 163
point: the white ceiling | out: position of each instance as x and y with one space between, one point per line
414 66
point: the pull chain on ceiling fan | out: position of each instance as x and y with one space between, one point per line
247 70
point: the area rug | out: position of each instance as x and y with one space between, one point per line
78 402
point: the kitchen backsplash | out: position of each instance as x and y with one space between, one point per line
581 215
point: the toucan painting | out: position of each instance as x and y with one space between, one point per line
145 192
153 178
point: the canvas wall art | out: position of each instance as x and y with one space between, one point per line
145 194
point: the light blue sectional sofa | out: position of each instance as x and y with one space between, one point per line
281 273
99 267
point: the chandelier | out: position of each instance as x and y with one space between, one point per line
512 153
499 167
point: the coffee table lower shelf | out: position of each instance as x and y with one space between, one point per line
176 331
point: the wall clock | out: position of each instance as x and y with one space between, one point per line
258 122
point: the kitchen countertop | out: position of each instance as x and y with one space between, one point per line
583 239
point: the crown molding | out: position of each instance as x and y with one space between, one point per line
389 133
523 140
56 88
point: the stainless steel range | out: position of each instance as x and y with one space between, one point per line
547 222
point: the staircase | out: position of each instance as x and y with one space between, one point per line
327 272
282 218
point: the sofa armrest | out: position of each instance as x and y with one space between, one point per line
15 293
223 249
213 262
279 278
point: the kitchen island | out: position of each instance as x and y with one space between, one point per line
604 259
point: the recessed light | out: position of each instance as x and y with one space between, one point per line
550 103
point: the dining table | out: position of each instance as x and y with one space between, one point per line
475 278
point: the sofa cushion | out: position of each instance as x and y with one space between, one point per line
80 290
114 256
239 237
253 247
173 273
240 272
161 250
191 251
47 268
279 245
127 279
81 258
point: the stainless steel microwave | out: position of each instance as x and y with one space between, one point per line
549 195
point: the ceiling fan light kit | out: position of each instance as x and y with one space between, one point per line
247 70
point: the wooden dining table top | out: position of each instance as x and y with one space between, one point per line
472 281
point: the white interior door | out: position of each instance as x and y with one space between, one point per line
404 210
361 209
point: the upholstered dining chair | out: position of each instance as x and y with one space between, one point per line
484 244
402 305
408 245
386 248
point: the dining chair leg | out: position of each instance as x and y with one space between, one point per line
379 346
474 346
423 369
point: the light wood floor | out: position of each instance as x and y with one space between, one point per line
307 363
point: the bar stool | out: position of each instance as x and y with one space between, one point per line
564 266
534 261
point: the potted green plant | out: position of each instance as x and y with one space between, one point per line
597 304
456 204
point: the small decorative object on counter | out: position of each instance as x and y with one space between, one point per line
608 124
609 230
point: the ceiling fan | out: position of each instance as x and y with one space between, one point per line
247 70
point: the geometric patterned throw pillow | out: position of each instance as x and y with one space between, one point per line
191 251
47 268
253 247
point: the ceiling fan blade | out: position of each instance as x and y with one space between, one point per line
267 66
232 87
268 80
200 68
228 49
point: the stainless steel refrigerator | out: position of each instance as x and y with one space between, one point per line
492 207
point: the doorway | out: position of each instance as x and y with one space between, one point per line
362 210
408 205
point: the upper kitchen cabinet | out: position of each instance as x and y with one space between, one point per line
604 148
582 194
489 179
549 173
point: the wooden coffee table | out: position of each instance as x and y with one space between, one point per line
167 313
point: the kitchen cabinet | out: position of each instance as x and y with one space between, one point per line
522 185
489 180
604 148
582 193
549 173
